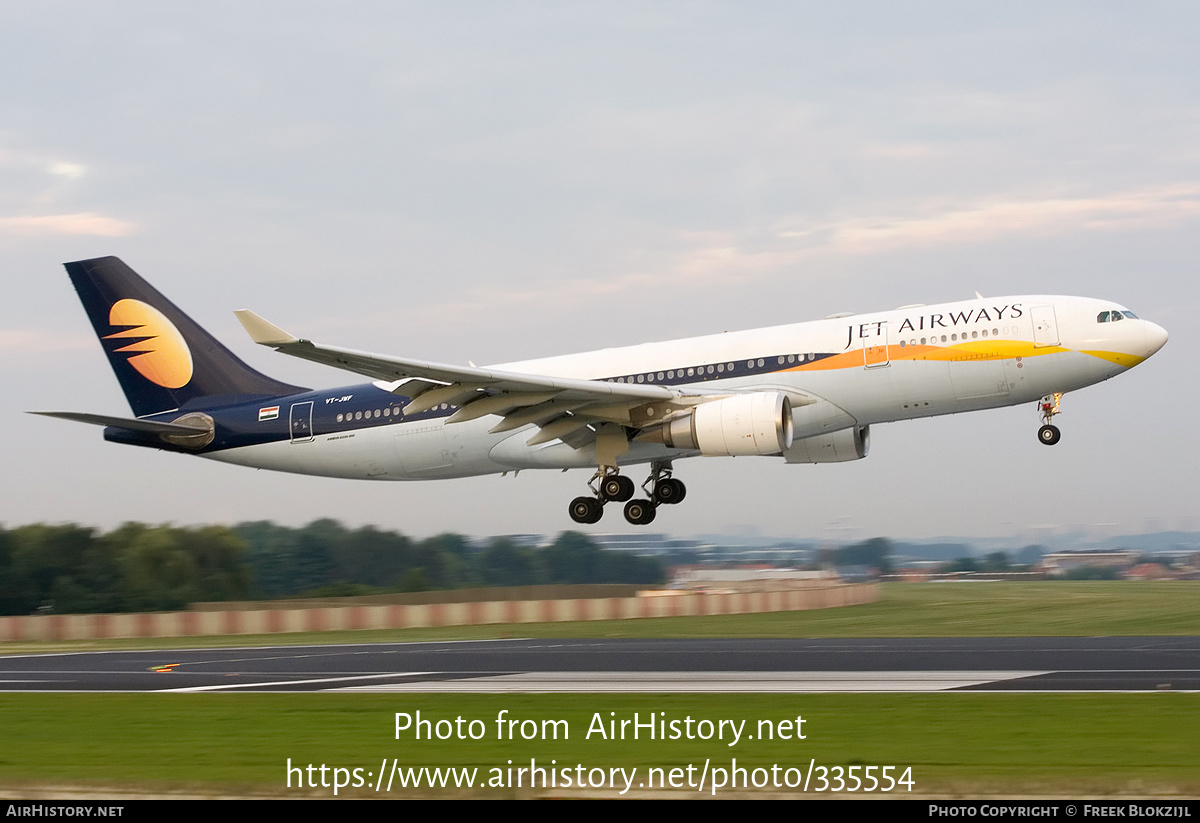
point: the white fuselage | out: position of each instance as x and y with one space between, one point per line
840 374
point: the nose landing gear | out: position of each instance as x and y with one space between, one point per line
1049 406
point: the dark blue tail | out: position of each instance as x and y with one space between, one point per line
163 359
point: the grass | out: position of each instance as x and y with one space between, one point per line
957 744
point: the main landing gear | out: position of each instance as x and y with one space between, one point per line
1049 406
610 487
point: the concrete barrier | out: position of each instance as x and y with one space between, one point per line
412 616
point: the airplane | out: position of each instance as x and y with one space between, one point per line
806 393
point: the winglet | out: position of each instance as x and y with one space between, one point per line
261 331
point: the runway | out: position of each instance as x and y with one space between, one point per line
1061 664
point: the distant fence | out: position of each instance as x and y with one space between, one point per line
412 616
494 593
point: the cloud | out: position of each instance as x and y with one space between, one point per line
87 224
1142 208
68 170
760 254
41 161
694 259
20 343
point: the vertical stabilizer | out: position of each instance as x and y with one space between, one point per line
163 359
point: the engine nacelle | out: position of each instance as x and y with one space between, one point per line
745 424
836 447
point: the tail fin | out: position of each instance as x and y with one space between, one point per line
163 359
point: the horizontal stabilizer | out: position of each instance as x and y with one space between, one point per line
131 424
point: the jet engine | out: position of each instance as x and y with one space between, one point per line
745 424
835 447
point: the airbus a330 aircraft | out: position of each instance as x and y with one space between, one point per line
807 392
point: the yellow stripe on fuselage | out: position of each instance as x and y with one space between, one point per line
1118 358
972 350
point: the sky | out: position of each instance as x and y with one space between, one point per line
494 182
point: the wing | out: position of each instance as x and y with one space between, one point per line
563 408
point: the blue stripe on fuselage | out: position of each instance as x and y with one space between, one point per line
240 420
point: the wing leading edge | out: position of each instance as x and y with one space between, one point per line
562 407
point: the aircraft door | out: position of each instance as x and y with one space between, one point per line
1045 327
301 422
875 349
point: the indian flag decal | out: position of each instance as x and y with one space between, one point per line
269 413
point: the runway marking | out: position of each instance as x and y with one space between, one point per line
267 685
700 682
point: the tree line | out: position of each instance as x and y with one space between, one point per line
72 569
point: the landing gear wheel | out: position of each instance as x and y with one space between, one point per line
616 488
639 512
586 510
1049 406
669 491
1049 434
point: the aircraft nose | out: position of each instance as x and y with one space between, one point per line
1156 338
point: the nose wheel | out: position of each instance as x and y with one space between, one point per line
1049 405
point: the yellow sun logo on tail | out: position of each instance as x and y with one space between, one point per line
158 350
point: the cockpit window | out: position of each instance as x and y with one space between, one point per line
1115 315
